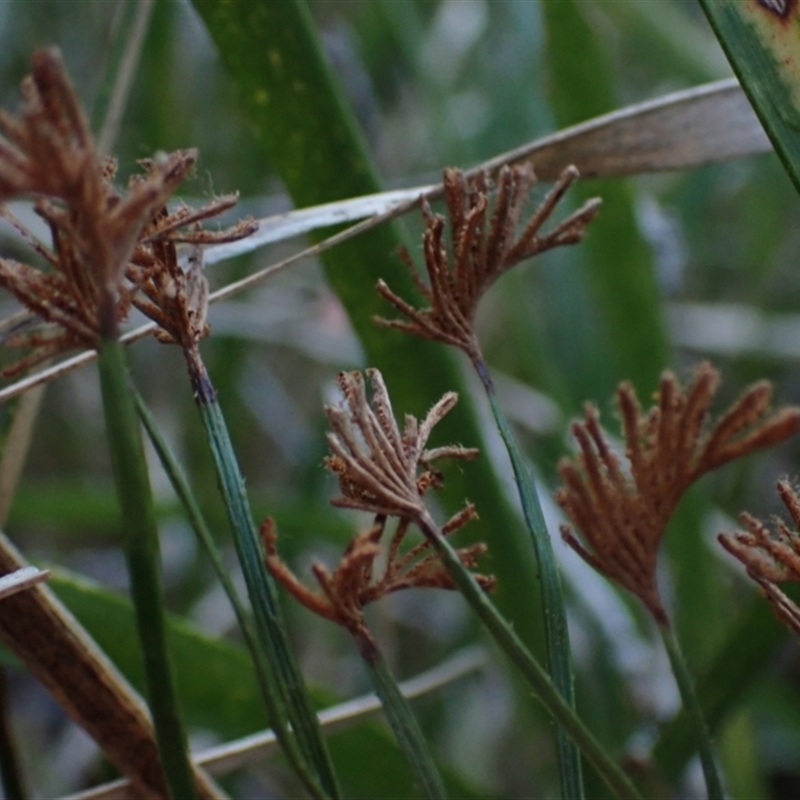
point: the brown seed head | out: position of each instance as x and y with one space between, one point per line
771 557
106 245
378 466
345 592
623 516
482 247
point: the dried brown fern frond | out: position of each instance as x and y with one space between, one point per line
771 557
101 238
380 469
483 247
354 584
622 517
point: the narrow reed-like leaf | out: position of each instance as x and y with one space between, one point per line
260 586
266 679
557 634
702 736
142 553
404 726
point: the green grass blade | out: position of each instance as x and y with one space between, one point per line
692 705
505 637
313 143
760 40
142 553
260 586
747 653
266 680
559 654
404 725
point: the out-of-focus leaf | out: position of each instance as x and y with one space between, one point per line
760 40
621 276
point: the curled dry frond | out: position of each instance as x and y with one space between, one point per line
771 557
622 517
345 592
378 466
483 247
100 237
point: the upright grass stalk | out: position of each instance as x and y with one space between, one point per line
260 586
142 554
536 677
693 709
403 723
559 657
276 709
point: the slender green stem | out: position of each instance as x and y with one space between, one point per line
692 706
142 552
559 655
534 674
260 586
276 710
403 722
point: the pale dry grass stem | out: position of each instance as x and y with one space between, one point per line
484 244
622 515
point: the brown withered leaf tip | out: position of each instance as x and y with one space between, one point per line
622 516
380 469
482 248
771 557
103 241
354 584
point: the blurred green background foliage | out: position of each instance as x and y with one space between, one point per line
678 268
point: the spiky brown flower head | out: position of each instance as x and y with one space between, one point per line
483 246
622 516
48 154
172 295
380 469
771 557
354 584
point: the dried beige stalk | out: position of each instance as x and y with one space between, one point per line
622 517
482 249
771 557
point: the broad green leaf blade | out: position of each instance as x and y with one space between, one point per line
761 41
313 143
